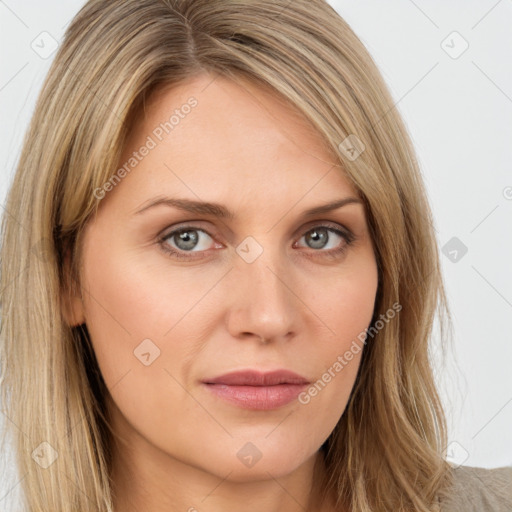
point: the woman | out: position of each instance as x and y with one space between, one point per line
225 284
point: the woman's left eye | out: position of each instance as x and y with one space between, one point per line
321 237
192 240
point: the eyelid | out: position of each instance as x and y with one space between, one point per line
300 231
322 223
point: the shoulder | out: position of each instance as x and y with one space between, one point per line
479 490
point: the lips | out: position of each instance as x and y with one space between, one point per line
257 378
252 389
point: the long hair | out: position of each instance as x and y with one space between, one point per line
387 451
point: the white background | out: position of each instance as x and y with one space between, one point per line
459 113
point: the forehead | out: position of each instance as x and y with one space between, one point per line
212 137
236 114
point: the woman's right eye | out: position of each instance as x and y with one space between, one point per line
185 240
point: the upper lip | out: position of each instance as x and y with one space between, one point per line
258 378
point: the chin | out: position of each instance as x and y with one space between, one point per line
248 463
260 472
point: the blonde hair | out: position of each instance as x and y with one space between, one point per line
387 451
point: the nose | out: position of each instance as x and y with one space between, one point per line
262 303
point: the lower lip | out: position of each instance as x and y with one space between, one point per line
261 398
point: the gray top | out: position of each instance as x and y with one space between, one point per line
480 490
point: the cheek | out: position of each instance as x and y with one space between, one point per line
345 305
133 310
345 301
137 319
130 295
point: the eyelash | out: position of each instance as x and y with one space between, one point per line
184 255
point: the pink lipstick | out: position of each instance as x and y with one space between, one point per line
252 389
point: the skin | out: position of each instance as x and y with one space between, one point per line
177 443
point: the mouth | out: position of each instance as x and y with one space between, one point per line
252 389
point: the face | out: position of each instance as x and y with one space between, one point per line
177 294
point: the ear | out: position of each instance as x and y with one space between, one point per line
71 298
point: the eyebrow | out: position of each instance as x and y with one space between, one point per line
218 210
